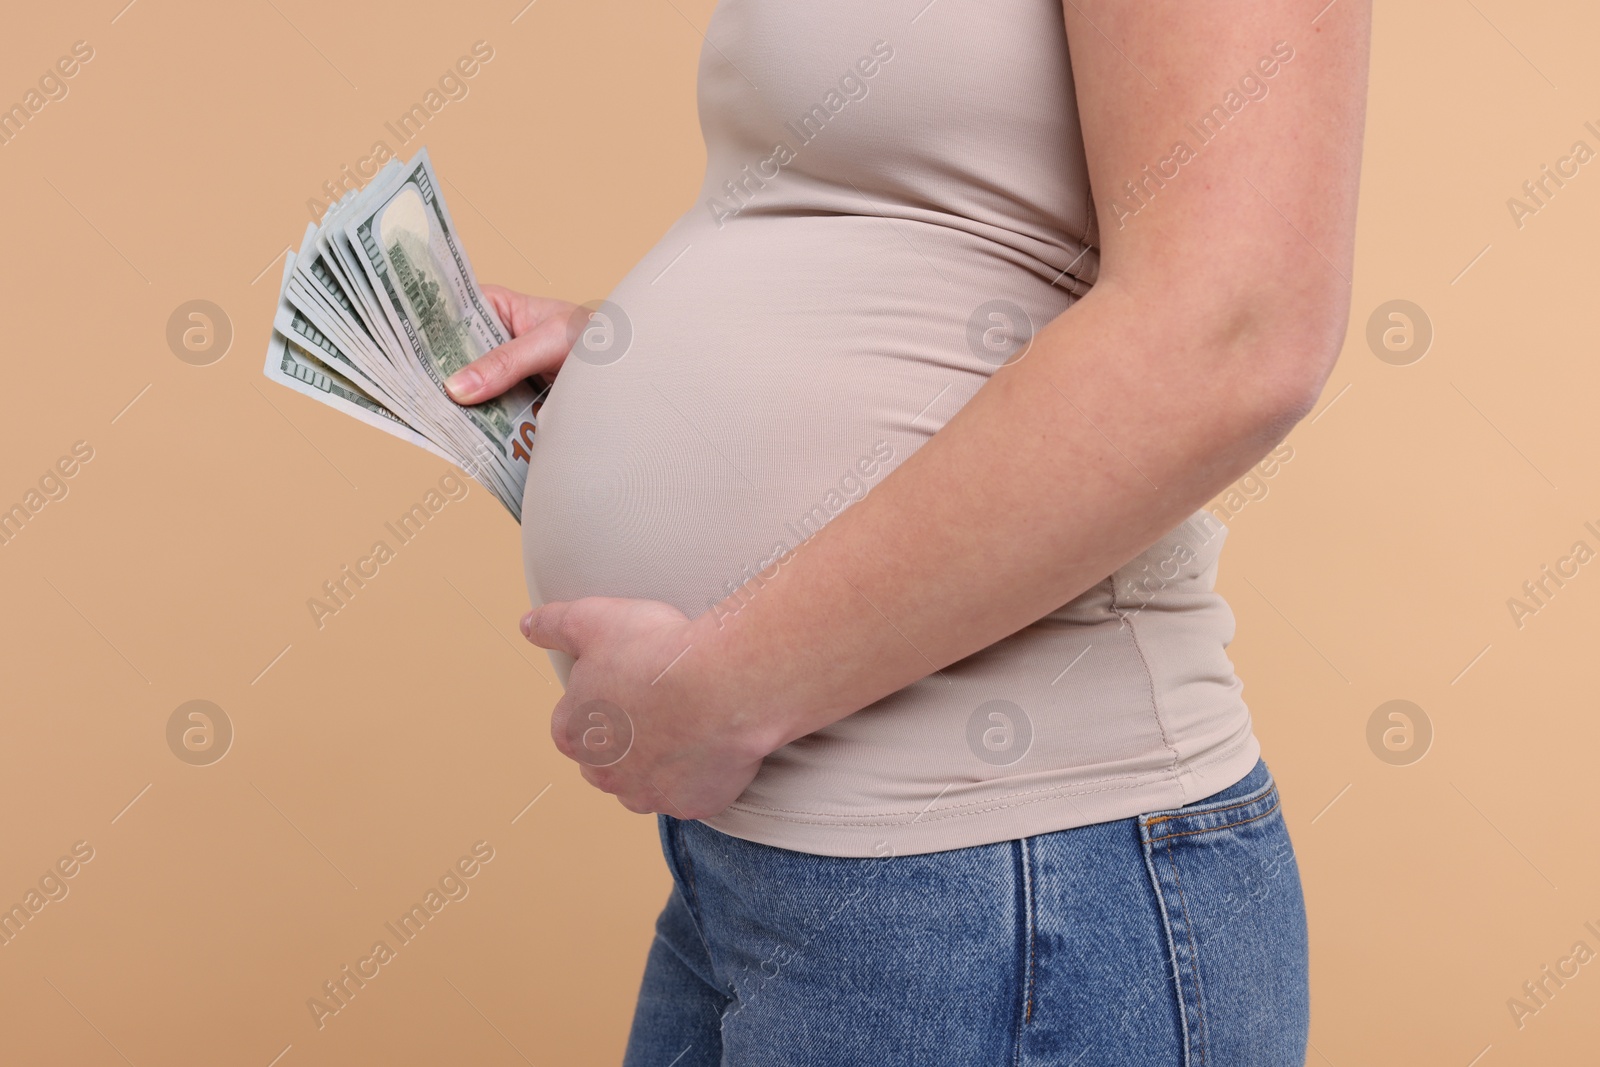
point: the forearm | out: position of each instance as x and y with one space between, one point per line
1116 425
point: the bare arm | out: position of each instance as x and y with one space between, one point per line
1214 323
1218 314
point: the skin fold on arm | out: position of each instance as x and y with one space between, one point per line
1219 311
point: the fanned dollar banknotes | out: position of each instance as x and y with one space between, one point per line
379 307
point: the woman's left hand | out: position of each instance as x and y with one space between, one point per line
631 716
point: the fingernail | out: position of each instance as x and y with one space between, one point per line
527 625
464 383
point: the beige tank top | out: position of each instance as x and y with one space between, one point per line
889 189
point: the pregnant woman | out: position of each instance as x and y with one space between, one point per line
866 520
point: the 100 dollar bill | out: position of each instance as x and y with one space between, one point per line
292 365
408 248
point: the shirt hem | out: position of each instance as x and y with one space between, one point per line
868 836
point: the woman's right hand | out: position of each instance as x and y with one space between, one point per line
542 332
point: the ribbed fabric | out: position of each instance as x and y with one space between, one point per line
874 177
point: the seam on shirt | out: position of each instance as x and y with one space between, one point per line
770 813
1150 679
1056 789
1218 757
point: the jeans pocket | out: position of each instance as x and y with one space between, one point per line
1225 876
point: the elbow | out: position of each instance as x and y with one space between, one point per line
1257 344
1278 412
1284 342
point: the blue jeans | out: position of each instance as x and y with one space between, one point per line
1176 937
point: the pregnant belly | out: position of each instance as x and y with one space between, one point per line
780 368
773 371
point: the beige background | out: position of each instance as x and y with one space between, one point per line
373 753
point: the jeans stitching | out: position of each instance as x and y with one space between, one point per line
683 958
1033 958
1031 929
1171 945
680 855
1194 958
1265 790
1226 826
